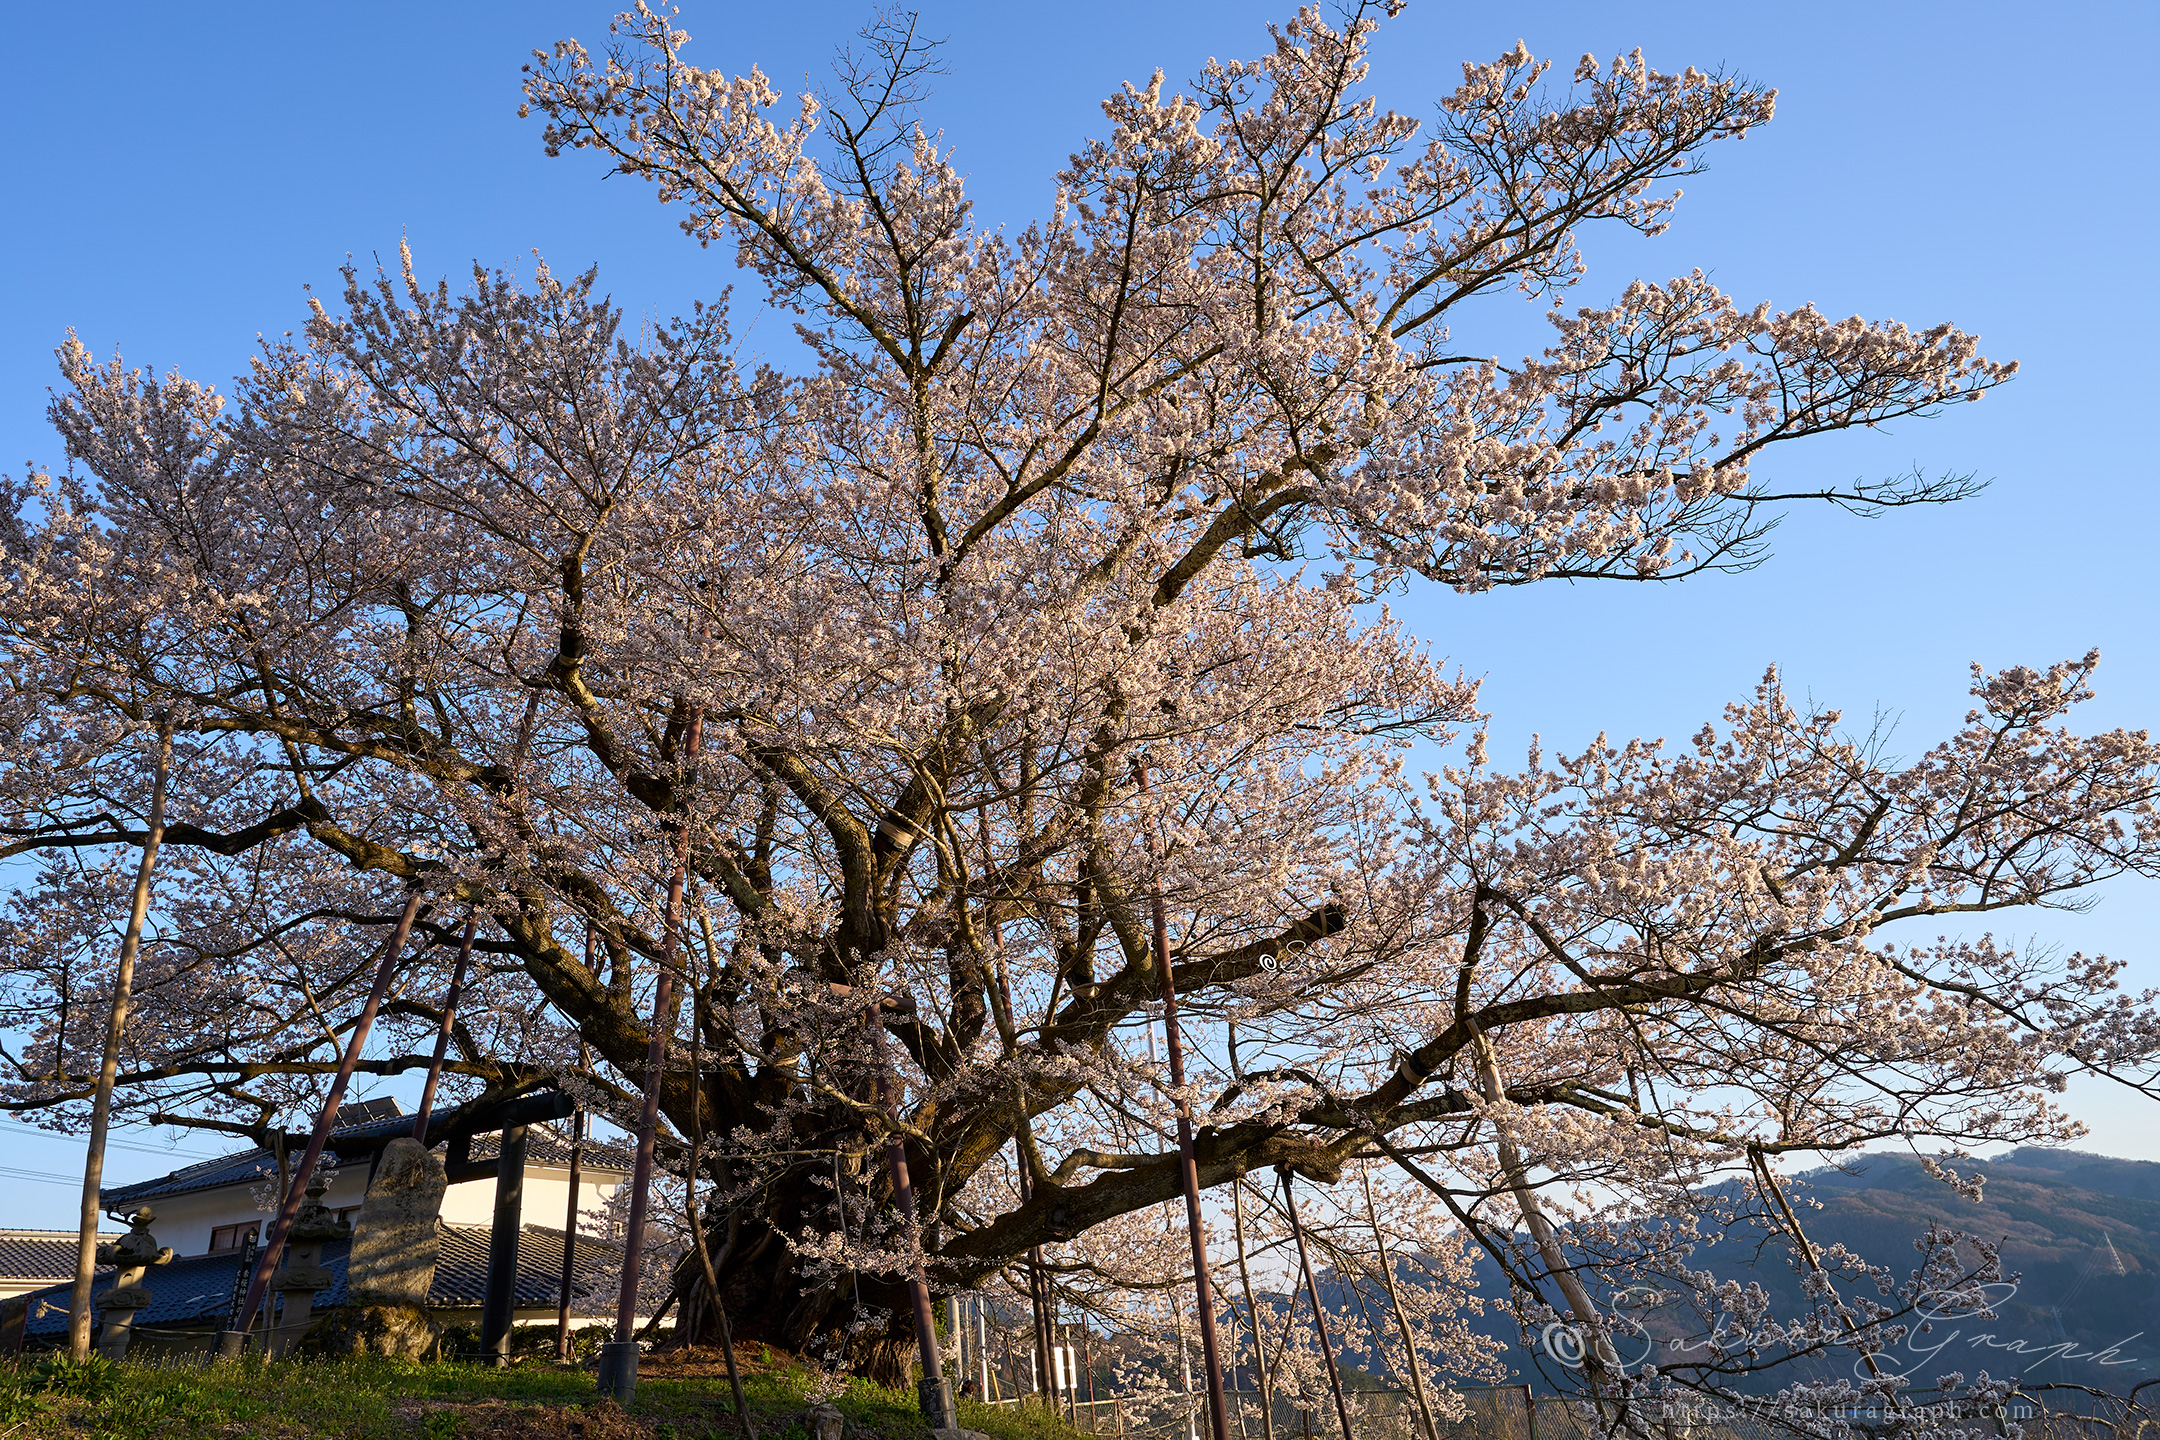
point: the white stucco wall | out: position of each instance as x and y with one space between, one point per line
185 1221
546 1201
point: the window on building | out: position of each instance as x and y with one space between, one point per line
232 1237
348 1214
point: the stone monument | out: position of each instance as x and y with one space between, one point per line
391 1264
133 1253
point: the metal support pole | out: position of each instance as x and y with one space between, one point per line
1312 1288
230 1343
498 1306
933 1392
570 1220
618 1357
1188 1167
442 1035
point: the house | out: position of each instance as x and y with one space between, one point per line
217 1205
213 1214
193 1297
34 1259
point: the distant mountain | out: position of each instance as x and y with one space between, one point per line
2080 1234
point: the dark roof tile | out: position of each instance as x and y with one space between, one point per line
370 1120
198 1291
41 1254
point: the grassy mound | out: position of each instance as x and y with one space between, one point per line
682 1395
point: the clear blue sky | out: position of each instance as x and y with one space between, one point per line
177 173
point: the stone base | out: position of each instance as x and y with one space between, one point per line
956 1433
399 1332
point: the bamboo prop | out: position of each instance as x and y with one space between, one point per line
1188 1166
1402 1319
449 1022
1312 1288
618 1375
1252 1315
109 1064
1599 1358
295 1189
932 1391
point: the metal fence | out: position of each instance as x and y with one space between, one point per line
1513 1412
1490 1413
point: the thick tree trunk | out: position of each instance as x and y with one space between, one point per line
771 1297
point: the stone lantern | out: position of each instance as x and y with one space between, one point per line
133 1253
302 1272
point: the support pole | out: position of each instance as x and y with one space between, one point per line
1402 1318
442 1035
932 1391
109 1065
1188 1166
1038 1299
231 1342
960 1345
1319 1316
498 1303
570 1221
1252 1315
618 1358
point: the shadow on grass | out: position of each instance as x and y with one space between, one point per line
680 1397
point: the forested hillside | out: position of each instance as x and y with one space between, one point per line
2081 1252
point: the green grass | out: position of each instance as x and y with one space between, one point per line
389 1400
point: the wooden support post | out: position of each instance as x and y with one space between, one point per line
498 1305
109 1063
570 1220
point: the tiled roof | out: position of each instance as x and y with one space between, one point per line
40 1254
545 1145
198 1291
370 1121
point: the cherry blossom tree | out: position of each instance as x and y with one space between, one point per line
1052 579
